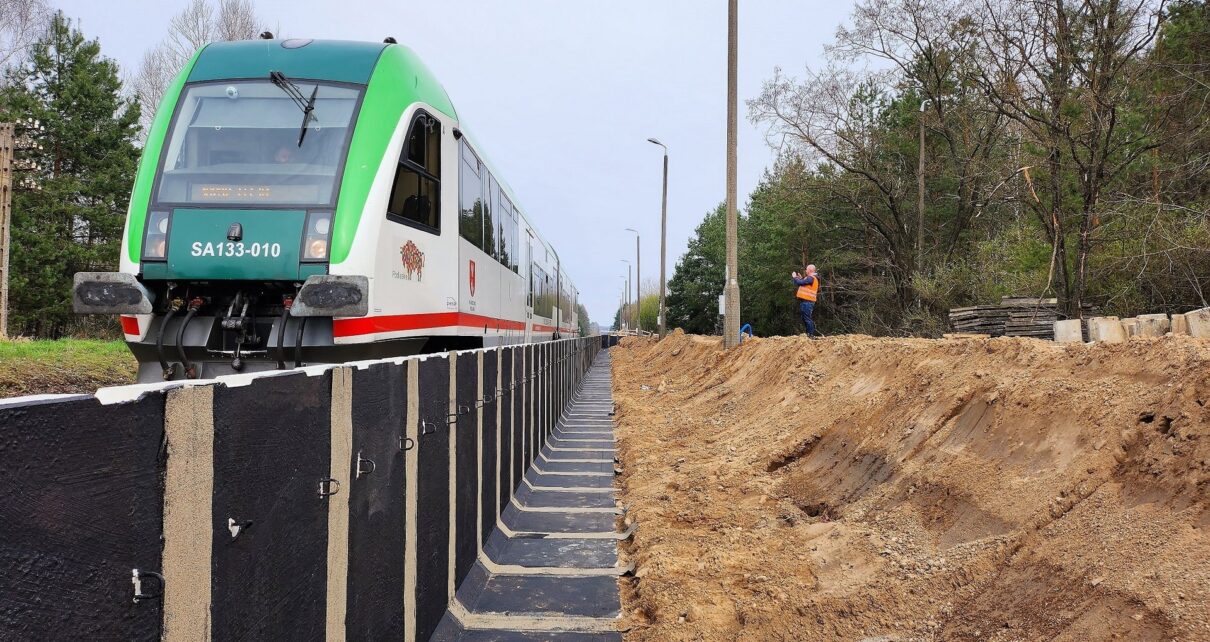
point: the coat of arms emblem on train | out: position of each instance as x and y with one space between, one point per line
472 278
413 260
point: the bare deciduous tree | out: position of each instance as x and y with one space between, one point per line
921 54
194 27
21 22
832 116
1066 72
236 20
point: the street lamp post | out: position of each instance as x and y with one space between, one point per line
638 276
663 232
731 288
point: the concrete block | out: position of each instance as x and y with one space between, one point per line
1152 325
1068 331
1130 327
1199 323
1106 330
1179 324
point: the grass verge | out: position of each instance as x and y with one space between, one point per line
64 366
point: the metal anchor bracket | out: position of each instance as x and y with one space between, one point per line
453 418
137 578
360 469
328 487
237 528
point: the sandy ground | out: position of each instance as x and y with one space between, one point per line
856 488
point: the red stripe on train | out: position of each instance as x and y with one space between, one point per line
402 322
130 325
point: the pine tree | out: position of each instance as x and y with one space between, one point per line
83 166
697 281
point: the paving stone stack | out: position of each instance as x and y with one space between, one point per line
979 319
1030 317
1014 317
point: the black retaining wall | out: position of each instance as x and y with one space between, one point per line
81 508
298 543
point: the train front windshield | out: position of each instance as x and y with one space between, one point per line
246 143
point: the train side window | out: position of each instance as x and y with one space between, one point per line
513 230
416 194
470 198
536 280
492 199
508 232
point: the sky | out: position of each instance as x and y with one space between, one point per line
562 96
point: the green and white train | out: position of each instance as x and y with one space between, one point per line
306 201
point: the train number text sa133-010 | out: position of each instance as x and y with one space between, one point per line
255 250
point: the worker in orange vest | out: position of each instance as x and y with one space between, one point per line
808 290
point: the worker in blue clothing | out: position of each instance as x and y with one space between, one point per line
808 291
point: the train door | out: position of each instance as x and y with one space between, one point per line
558 298
529 295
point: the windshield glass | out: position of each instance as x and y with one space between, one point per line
238 142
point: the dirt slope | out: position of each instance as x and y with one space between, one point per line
891 489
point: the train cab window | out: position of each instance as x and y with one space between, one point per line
240 143
470 197
415 195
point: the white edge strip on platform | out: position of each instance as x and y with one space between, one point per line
560 571
528 622
133 392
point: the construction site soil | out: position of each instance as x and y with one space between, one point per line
857 488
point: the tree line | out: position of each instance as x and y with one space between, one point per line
951 152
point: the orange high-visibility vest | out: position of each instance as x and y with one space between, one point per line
808 292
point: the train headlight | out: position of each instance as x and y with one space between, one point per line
155 242
317 231
317 249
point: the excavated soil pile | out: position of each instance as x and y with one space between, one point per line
909 489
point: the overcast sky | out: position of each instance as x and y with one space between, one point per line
562 95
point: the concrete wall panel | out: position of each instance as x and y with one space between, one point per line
507 415
467 465
377 507
487 446
81 509
272 450
433 506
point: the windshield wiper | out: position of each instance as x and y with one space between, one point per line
307 105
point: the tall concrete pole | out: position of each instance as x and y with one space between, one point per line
731 289
663 238
920 196
8 144
663 242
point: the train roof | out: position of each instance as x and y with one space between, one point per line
334 60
